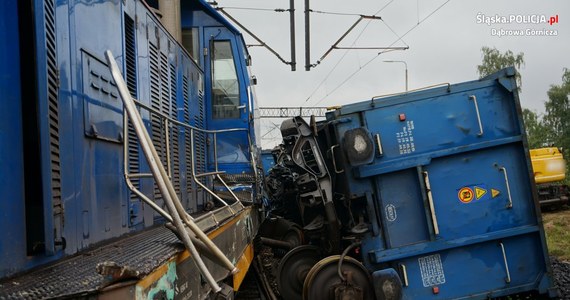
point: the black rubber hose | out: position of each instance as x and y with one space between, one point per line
344 253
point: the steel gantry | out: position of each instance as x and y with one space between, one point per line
289 112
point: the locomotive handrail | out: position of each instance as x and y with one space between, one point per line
208 131
140 175
214 132
230 190
194 176
157 169
168 119
203 248
177 212
216 173
163 115
210 173
202 219
188 220
194 172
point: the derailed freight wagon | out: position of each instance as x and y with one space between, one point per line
429 192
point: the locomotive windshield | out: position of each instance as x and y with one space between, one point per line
225 87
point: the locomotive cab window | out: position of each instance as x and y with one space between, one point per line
225 85
190 42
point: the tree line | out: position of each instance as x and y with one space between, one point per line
548 129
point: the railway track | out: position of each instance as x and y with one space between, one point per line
260 282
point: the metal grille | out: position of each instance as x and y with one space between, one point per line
53 112
155 100
164 89
174 133
130 59
187 149
243 196
200 137
244 178
164 106
134 164
130 55
76 276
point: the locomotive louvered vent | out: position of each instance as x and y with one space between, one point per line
187 149
131 62
53 110
200 137
156 123
130 55
164 102
164 88
174 132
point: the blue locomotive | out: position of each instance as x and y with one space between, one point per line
82 204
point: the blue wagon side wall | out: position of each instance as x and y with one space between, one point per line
452 190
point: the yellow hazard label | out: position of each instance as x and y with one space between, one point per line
465 195
495 193
480 192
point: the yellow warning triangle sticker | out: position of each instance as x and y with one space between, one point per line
495 193
480 192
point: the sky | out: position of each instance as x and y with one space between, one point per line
445 47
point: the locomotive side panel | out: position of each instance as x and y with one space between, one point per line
12 245
71 192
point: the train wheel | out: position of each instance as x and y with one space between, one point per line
294 236
293 268
324 283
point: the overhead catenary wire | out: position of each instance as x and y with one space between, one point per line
273 133
345 53
291 10
381 52
394 32
333 13
415 26
275 126
262 43
335 46
351 75
256 9
350 14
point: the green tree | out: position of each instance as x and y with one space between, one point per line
535 129
557 117
558 111
494 60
